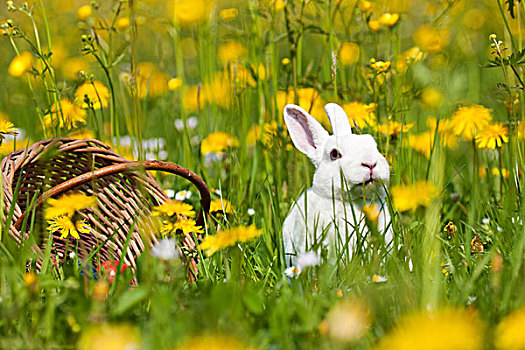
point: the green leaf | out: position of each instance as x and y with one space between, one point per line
129 299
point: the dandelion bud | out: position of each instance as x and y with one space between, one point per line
10 23
83 37
500 43
492 36
493 45
25 6
10 6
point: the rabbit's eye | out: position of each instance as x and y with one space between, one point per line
334 155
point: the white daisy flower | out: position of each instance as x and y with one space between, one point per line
378 278
182 195
293 271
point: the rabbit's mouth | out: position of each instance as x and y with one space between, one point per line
369 182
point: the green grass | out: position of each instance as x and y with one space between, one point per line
244 292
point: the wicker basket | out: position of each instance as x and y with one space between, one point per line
125 194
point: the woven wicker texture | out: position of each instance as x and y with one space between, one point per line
125 195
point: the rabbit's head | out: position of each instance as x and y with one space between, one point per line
345 163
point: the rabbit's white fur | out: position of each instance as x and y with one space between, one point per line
332 208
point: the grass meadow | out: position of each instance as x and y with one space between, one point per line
202 83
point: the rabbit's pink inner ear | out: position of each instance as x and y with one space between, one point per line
302 121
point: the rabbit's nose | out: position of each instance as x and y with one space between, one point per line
369 165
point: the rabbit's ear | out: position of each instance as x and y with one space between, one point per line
306 132
338 119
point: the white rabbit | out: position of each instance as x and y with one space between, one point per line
350 172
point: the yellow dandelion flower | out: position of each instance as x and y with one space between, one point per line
7 128
21 64
431 39
174 84
431 97
84 12
221 205
92 95
410 197
422 142
349 53
372 212
105 336
447 136
232 51
509 332
218 142
374 25
253 135
73 66
193 98
219 90
174 207
188 226
212 342
68 204
228 14
468 121
122 23
448 328
272 133
361 114
389 19
66 227
348 321
379 66
71 115
241 76
229 237
495 172
503 172
394 128
285 61
189 12
31 281
11 146
151 82
365 5
492 136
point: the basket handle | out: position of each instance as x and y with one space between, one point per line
126 167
